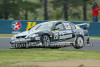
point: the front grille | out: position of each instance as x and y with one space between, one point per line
20 37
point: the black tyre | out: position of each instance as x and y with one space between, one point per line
88 41
79 42
45 41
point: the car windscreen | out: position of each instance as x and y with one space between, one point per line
42 26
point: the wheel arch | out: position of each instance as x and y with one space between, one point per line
80 36
46 34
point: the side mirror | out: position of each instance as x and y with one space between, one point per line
56 28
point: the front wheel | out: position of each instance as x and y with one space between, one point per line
45 40
79 42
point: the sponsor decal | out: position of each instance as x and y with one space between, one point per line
56 36
16 25
30 25
65 36
15 32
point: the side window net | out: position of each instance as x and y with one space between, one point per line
59 26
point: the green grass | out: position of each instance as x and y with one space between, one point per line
95 37
6 35
12 56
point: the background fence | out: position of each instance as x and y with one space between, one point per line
16 26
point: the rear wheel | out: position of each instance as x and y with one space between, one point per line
45 40
79 42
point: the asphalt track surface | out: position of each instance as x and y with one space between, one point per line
4 44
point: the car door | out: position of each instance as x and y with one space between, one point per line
68 33
59 32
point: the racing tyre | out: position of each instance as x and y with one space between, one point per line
79 42
45 41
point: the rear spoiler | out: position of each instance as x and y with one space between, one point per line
87 25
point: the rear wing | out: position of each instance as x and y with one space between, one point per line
87 25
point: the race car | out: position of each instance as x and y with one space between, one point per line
52 34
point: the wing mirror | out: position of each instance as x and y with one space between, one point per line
56 28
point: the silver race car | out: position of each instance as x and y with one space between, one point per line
53 34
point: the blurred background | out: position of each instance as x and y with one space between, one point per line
72 10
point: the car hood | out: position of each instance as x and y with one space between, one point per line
22 34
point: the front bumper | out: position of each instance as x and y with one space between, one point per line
24 40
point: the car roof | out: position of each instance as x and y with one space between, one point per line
54 22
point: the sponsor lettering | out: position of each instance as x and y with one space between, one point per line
30 25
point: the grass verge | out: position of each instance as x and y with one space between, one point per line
94 37
6 35
13 56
